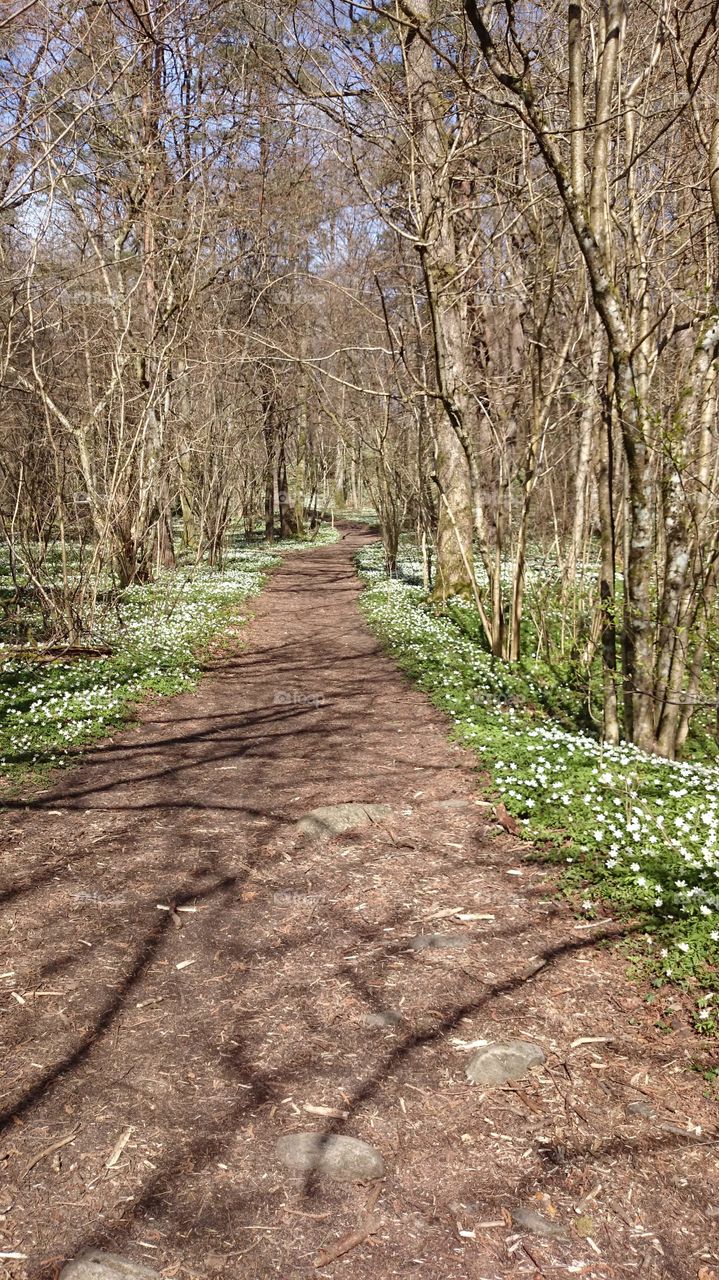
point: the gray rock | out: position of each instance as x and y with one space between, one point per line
334 819
529 1220
643 1109
452 804
440 942
332 1155
93 1264
500 1063
388 1020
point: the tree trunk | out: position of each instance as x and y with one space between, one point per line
430 180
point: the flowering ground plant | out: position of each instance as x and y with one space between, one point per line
630 830
155 636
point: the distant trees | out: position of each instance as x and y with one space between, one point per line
461 260
161 206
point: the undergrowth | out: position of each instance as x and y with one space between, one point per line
629 830
157 635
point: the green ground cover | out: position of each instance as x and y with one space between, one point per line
157 635
634 832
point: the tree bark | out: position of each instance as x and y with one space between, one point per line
431 185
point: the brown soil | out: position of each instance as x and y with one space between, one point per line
199 1067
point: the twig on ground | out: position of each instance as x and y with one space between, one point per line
348 1242
48 1151
532 1259
353 1238
118 1148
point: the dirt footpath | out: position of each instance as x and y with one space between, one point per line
186 978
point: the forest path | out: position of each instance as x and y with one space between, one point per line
154 1057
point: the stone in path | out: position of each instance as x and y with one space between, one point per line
388 1020
500 1063
335 819
93 1264
440 942
529 1220
643 1109
331 1155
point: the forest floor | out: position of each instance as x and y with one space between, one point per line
183 972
